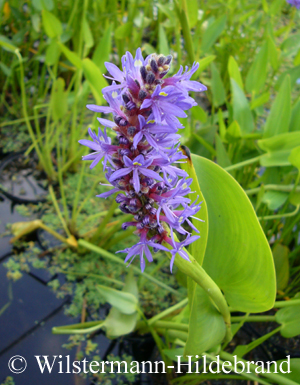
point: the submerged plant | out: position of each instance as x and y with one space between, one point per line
142 167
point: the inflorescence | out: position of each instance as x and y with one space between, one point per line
141 168
295 3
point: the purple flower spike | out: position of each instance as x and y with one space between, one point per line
142 167
295 3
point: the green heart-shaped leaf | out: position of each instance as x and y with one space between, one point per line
238 257
289 317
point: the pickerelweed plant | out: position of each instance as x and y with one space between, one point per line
142 167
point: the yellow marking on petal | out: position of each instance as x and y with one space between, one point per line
114 94
184 185
150 121
138 63
137 164
163 94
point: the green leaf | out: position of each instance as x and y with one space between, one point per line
294 74
222 157
51 24
279 118
52 53
281 260
241 350
43 4
297 59
6 44
261 100
95 79
6 70
233 133
71 56
234 72
289 317
123 30
192 11
117 323
241 110
202 312
125 302
246 274
206 326
294 374
203 64
87 34
273 53
257 74
199 114
212 33
217 87
103 49
198 247
222 127
295 118
36 22
163 41
278 149
274 199
58 101
294 158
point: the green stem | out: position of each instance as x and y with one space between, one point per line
242 164
205 144
276 187
182 15
25 113
168 311
292 302
277 216
198 274
99 232
78 328
254 318
106 254
63 222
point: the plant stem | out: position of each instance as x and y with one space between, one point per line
276 187
168 311
254 318
106 254
182 15
242 164
198 274
292 302
99 232
63 222
277 216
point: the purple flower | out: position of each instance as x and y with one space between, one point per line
140 249
295 3
143 166
101 144
136 166
178 247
